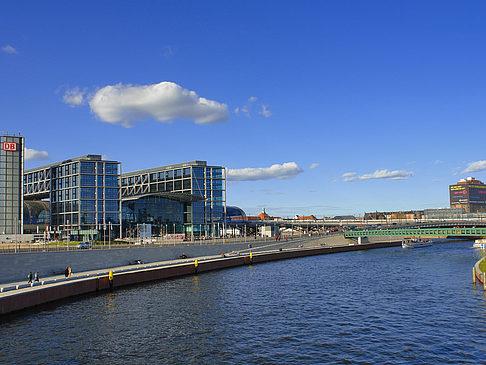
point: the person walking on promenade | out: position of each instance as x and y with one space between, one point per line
29 276
36 276
66 272
69 271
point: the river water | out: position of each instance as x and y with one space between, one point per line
378 306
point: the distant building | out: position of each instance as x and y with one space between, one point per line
305 217
469 195
11 198
410 214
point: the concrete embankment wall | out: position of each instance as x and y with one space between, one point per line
30 297
15 267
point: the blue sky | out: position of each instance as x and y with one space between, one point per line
358 105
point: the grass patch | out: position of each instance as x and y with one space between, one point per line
482 265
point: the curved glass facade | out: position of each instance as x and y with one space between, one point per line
165 215
37 212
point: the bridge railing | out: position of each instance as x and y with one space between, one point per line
450 232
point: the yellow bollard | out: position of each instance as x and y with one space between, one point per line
251 257
474 275
110 279
195 263
195 266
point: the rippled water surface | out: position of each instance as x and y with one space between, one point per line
379 306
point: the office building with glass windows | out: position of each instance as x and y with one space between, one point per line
84 196
187 198
11 198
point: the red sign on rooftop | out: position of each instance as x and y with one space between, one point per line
9 146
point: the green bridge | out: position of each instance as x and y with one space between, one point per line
419 232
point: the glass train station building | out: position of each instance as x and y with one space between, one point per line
83 192
187 198
89 198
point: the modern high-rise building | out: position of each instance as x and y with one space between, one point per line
84 195
468 194
187 198
11 170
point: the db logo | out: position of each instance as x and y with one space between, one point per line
9 146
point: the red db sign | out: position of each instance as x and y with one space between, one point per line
9 146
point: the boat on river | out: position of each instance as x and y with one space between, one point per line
416 243
480 243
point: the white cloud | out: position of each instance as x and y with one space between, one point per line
265 112
9 49
284 171
250 107
31 154
166 101
378 174
475 166
314 165
74 97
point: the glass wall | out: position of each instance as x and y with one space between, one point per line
165 215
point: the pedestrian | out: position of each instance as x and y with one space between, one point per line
69 271
29 276
36 276
66 272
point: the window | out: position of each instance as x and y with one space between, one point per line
87 193
186 172
113 218
111 180
87 180
111 193
111 168
218 184
87 205
88 167
169 174
198 172
87 218
111 205
178 173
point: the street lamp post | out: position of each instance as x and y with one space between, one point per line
109 237
68 238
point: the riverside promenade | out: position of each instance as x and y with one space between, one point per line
18 295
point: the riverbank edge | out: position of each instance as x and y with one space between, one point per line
40 295
479 275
